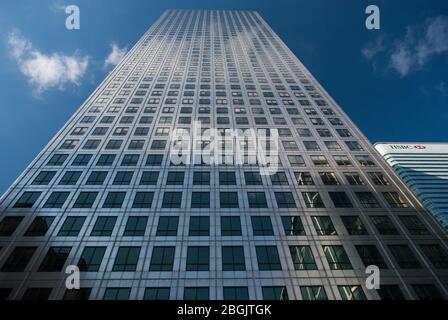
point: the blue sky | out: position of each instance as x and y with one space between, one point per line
392 82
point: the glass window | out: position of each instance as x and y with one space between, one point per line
367 200
149 178
130 160
96 178
44 178
200 200
390 292
91 258
337 258
235 293
365 161
340 200
162 259
354 225
172 200
119 294
229 200
27 200
253 178
55 259
106 160
304 179
154 160
104 226
175 178
275 293
313 200
198 259
83 160
143 200
199 227
296 161
157 294
370 256
279 179
85 200
70 178
384 225
123 178
257 200
227 178
436 255
167 227
268 258
378 178
285 200
352 293
127 259
394 200
329 178
135 227
56 200
262 226
71 227
201 178
233 259
324 226
303 258
354 179
404 256
414 225
293 226
313 293
9 225
196 293
57 160
39 227
230 226
18 259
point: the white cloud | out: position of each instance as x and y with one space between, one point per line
43 71
373 48
115 56
442 88
416 49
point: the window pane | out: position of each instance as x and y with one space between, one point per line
233 259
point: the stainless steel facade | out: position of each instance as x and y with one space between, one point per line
103 195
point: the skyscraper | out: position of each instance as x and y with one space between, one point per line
424 169
105 194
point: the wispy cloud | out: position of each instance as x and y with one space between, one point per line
414 50
372 48
115 56
44 71
57 5
442 88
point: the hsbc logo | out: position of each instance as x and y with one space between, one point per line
408 147
420 147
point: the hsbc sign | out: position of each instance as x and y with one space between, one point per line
419 147
410 148
407 147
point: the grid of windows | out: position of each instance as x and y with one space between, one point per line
108 187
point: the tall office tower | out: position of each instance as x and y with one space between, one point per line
424 168
106 196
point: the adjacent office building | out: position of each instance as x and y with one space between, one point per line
105 195
424 168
